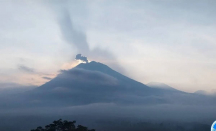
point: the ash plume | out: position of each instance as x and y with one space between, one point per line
82 58
78 38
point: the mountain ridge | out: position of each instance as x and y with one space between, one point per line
94 82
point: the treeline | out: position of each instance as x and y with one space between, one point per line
60 125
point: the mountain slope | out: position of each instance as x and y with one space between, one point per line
97 83
93 73
96 66
159 85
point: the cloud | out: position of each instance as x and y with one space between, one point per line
26 69
13 88
47 78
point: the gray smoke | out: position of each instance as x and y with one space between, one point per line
82 58
78 38
70 34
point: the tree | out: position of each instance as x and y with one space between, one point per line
60 125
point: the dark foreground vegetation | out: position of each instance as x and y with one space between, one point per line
60 125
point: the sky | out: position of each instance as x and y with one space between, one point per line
168 41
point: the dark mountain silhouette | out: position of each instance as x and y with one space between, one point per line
94 72
95 82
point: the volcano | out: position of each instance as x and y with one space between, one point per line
94 82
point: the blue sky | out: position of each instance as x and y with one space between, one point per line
169 41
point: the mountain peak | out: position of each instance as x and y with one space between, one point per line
100 67
96 66
92 63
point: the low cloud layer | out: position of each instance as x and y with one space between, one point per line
105 115
47 78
